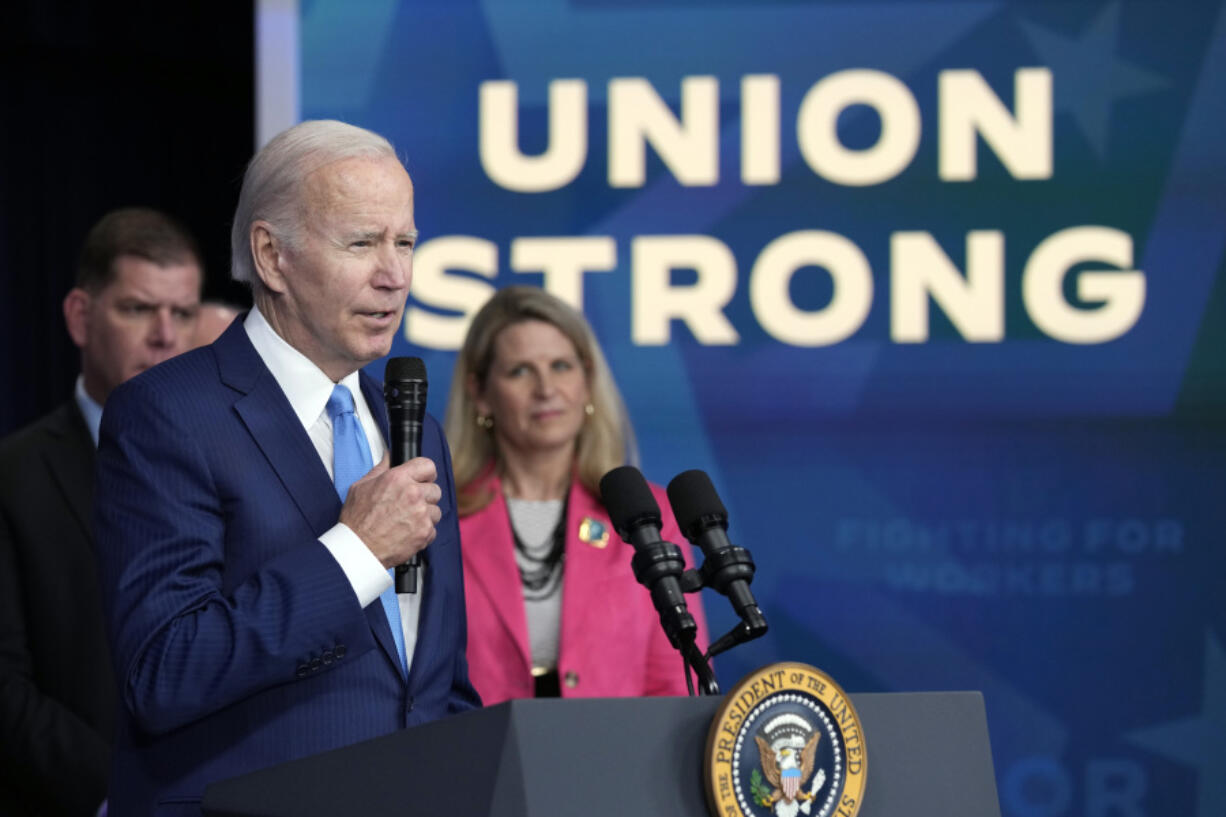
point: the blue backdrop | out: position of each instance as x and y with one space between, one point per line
934 293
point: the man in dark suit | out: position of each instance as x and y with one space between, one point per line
134 305
245 575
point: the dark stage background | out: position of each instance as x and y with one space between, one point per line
109 105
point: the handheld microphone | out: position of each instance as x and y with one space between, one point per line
404 389
726 568
657 565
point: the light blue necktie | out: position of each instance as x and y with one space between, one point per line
351 462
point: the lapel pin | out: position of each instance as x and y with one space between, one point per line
594 532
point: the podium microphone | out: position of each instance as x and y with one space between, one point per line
726 568
658 565
404 389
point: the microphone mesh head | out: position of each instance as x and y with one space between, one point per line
693 497
627 498
400 369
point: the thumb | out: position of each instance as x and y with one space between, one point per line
380 467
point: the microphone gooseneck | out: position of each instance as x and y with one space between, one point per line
404 390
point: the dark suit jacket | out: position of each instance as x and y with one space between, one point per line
57 693
238 641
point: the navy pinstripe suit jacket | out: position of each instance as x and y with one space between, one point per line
238 642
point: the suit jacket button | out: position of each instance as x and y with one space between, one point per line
316 664
328 657
339 651
571 679
302 671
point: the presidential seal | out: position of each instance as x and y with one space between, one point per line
786 741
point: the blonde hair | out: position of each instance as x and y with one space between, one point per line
606 439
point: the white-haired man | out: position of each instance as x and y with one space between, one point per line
244 537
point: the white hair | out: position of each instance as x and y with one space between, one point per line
272 183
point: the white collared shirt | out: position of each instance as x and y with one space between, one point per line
91 411
308 390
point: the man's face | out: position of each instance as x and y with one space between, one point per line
142 317
211 321
345 281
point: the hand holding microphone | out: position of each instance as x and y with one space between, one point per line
404 389
393 510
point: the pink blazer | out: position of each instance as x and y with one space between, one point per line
611 644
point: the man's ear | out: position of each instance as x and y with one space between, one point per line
76 315
268 253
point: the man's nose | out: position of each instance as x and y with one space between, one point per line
163 331
395 267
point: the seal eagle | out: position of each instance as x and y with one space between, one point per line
781 766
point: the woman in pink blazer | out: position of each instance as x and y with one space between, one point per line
534 420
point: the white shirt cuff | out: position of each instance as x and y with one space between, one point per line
366 574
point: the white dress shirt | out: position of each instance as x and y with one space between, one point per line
308 390
91 411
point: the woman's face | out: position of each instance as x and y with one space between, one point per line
535 391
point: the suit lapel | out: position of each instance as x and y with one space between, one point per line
588 567
276 430
489 562
429 623
373 393
70 459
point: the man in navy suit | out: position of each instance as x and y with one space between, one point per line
242 594
134 305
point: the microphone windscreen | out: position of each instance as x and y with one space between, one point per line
628 499
693 497
400 369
